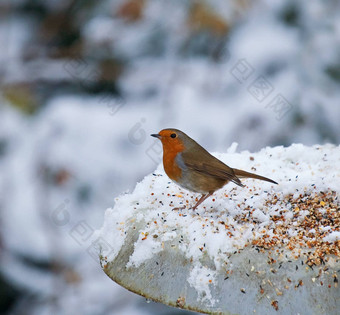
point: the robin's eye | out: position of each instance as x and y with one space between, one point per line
173 135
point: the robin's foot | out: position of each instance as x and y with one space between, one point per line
201 200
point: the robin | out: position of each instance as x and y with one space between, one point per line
192 167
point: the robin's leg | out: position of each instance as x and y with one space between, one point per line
201 200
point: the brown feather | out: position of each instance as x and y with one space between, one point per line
245 174
207 164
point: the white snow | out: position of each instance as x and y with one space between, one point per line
102 143
202 278
332 237
216 228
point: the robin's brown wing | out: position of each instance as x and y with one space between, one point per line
209 165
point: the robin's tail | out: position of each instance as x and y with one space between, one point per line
245 174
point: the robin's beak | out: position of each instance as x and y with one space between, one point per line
156 135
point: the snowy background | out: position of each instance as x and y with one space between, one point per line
84 83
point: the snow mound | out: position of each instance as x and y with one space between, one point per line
295 221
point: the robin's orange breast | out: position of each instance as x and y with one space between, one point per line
171 167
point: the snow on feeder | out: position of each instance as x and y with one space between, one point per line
262 248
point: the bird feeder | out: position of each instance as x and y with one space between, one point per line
261 248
